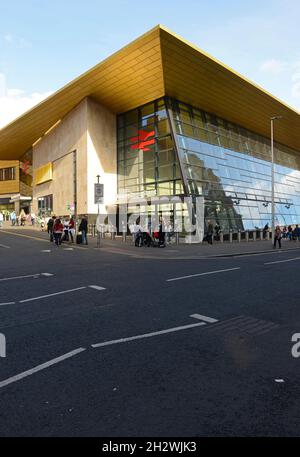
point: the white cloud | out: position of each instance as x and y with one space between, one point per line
296 80
8 38
273 66
14 102
18 42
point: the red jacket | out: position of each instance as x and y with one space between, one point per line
58 228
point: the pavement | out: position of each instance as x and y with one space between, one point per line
185 341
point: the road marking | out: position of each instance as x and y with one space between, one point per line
46 250
41 367
52 295
282 261
4 246
9 303
203 274
97 287
68 249
148 335
26 276
210 320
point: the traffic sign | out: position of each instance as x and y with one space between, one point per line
99 193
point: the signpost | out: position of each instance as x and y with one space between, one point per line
98 198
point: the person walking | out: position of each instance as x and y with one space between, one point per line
50 226
83 228
1 220
58 230
277 237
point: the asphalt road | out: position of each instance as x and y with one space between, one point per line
226 372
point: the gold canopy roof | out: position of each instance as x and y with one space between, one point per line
156 64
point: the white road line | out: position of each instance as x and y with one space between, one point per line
68 249
210 320
97 287
52 295
148 335
9 303
4 246
282 261
203 274
41 367
46 250
26 276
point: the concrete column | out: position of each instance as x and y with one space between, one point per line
230 236
239 236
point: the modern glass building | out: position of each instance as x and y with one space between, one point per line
162 119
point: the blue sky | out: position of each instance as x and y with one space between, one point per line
46 43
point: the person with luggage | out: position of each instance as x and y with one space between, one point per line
83 228
58 230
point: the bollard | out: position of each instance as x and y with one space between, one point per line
239 236
124 237
247 235
230 236
221 237
261 235
254 235
177 238
113 235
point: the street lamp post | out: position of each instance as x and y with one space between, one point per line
98 233
273 176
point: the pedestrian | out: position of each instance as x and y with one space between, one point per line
72 228
297 232
277 236
58 229
32 218
1 220
66 229
290 232
50 226
161 231
13 218
83 228
210 232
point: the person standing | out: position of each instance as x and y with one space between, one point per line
50 226
13 218
83 227
277 237
210 232
1 220
72 228
58 229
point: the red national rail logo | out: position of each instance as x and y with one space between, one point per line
142 140
25 167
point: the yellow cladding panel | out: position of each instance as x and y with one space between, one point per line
43 174
156 64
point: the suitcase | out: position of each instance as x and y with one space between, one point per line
79 239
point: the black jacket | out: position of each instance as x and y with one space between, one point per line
83 225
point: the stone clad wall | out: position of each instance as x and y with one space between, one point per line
54 147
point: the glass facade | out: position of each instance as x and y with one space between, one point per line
147 161
229 166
